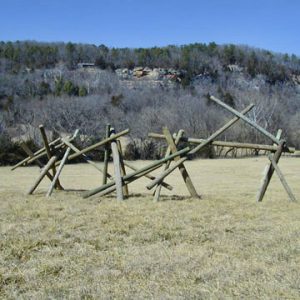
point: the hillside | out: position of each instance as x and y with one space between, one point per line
68 86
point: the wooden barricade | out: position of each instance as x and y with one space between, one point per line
173 159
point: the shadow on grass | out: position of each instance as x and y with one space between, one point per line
162 198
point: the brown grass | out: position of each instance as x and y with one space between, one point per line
222 246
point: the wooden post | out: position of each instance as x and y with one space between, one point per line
184 173
168 152
58 146
55 179
282 179
106 155
47 147
269 173
247 120
269 164
221 130
62 163
42 174
38 162
135 174
24 161
116 161
123 171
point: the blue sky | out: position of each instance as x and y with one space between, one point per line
272 25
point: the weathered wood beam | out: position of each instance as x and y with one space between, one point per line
128 181
221 130
184 173
269 173
149 176
38 162
226 144
167 164
123 171
165 173
117 168
55 147
106 155
49 154
59 170
25 160
282 179
99 144
269 164
42 174
85 157
143 171
247 120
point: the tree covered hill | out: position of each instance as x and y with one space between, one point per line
67 86
194 59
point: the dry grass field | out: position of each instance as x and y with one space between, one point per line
222 246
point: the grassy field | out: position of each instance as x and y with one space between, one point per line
222 246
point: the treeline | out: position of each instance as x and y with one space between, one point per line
194 59
41 84
145 109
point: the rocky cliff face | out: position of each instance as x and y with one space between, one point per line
154 77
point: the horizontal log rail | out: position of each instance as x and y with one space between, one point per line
227 144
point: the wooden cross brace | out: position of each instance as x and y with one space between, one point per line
282 179
54 178
128 178
246 120
56 144
172 148
49 155
269 170
198 148
118 167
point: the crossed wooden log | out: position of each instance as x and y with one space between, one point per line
276 149
51 149
120 181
